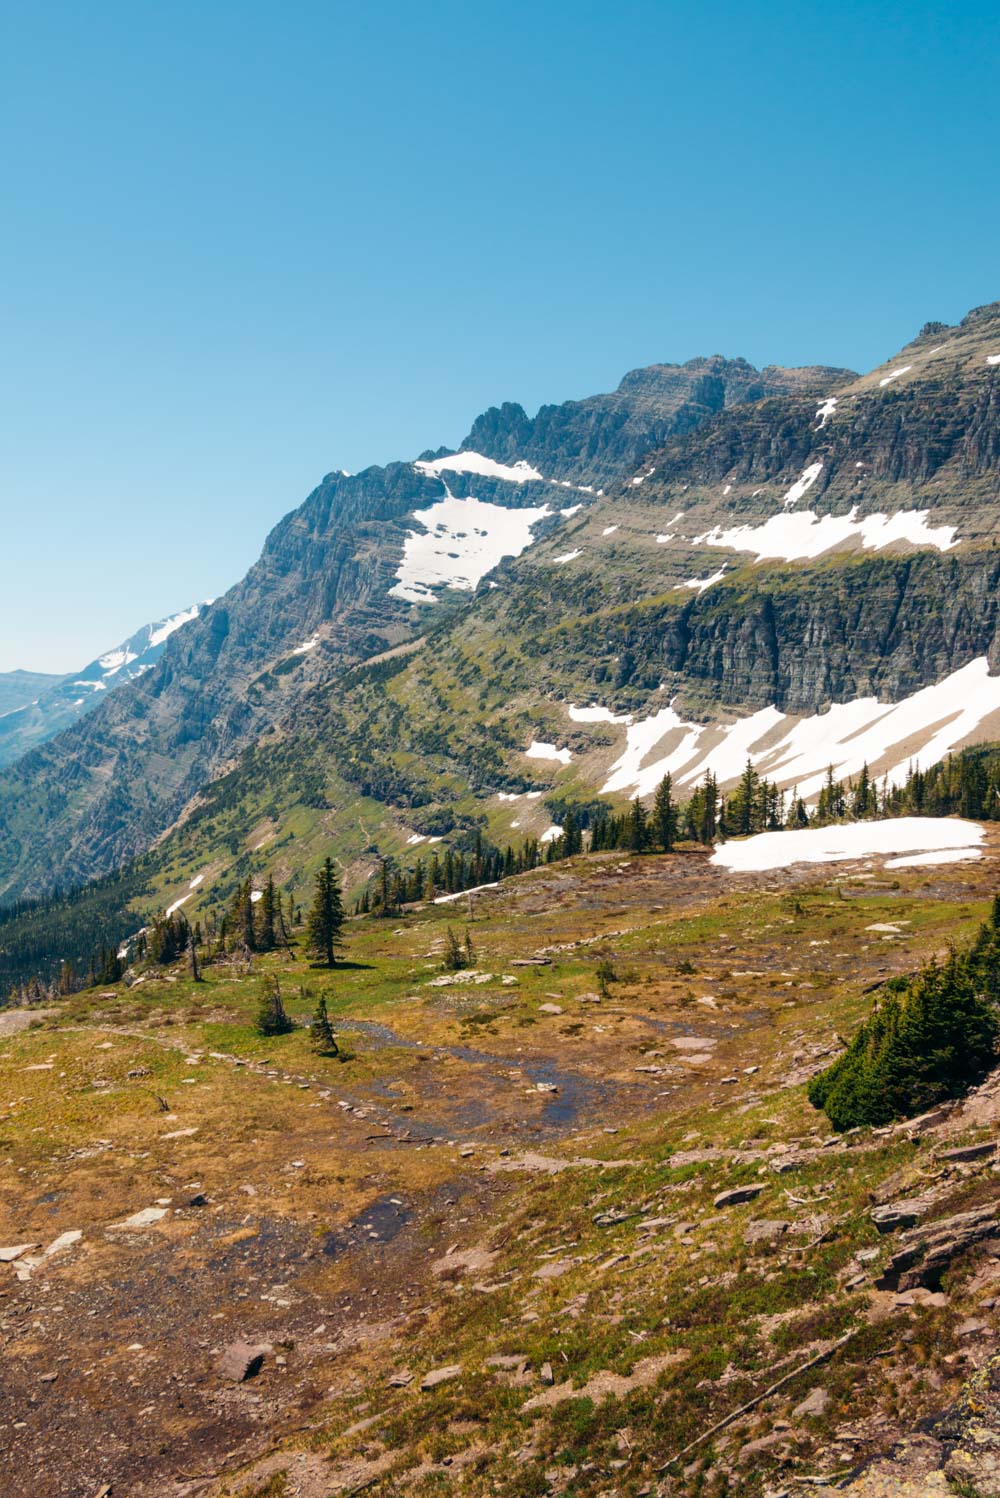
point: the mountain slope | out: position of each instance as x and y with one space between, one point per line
19 688
58 701
881 649
328 591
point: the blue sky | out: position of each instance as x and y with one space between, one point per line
243 244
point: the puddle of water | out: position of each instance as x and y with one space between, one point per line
379 1223
577 1095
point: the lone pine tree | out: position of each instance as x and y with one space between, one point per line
326 918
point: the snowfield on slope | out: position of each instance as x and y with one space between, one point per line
461 540
928 839
806 535
793 751
470 462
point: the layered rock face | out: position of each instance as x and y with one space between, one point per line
596 440
319 599
734 538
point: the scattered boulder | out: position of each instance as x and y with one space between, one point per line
457 1262
901 1214
815 1405
973 1327
765 1230
737 1195
967 1152
926 1121
438 1376
143 1219
400 1378
553 1269
926 1251
243 1360
546 1375
8 1255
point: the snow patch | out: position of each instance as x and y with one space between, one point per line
807 535
894 374
792 751
596 714
825 411
536 750
461 540
609 530
567 556
550 834
701 583
116 659
993 358
944 855
801 485
906 835
470 462
306 646
462 893
166 629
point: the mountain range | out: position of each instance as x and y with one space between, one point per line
709 563
35 707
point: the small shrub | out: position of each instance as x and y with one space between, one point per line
272 1017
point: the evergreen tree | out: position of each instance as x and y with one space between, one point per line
931 1037
742 818
454 957
266 925
707 822
572 837
321 1031
665 815
326 918
638 827
272 1017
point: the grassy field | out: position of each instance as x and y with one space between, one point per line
506 1174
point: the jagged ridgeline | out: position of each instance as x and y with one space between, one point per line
709 564
326 595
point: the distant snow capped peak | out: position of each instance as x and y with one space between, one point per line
144 648
160 632
69 698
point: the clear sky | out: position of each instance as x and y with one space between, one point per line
242 244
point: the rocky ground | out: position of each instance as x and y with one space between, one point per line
527 1237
